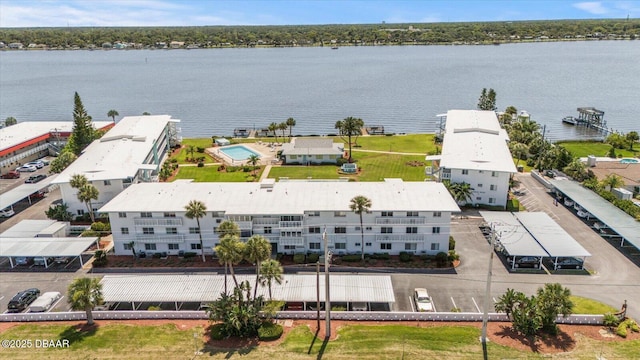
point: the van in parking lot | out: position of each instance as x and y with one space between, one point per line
22 299
45 301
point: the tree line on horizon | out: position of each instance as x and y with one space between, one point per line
320 35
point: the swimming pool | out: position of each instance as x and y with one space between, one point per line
629 161
238 152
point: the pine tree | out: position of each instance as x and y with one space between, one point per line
83 132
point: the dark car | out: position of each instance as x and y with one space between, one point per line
35 178
10 175
22 299
527 261
569 263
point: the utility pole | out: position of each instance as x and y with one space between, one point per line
327 302
318 293
487 294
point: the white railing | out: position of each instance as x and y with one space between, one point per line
291 240
157 221
291 224
400 221
399 237
160 238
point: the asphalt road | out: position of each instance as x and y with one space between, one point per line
612 276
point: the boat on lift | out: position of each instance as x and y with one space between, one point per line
569 120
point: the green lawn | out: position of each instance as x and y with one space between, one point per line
211 174
200 142
391 341
411 143
586 148
588 306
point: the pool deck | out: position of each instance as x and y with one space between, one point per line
265 150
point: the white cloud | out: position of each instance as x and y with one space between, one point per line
593 7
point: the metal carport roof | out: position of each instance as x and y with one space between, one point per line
515 239
619 221
44 247
20 192
551 236
206 288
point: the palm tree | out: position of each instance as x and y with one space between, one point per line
257 250
283 127
190 151
228 228
12 121
86 193
84 294
518 150
291 122
553 300
197 210
77 180
270 271
273 127
613 181
632 137
230 252
461 192
576 169
507 302
253 160
349 127
112 114
360 204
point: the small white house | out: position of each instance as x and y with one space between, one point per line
222 142
311 151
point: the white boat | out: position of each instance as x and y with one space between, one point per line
569 120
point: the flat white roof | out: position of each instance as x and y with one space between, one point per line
29 228
44 247
121 152
22 191
24 131
207 288
474 140
293 197
551 236
512 235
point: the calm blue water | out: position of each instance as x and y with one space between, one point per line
238 152
402 88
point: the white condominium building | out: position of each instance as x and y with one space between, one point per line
130 152
475 151
292 215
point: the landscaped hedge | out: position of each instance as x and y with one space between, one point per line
189 254
298 258
351 258
625 325
313 258
269 331
215 332
405 256
380 256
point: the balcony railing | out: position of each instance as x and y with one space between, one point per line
291 240
290 224
400 220
157 221
400 237
160 238
260 222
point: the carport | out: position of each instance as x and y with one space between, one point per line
551 236
46 247
613 218
201 289
512 237
24 191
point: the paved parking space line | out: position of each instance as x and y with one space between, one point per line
454 303
476 304
1 297
411 302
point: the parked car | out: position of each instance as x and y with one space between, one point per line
7 212
38 164
528 261
40 261
10 175
62 260
35 178
44 161
568 202
24 261
37 195
45 301
23 299
583 214
569 263
26 168
422 300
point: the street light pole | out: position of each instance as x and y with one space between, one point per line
485 316
327 302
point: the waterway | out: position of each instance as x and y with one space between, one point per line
402 87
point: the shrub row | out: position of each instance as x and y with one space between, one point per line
628 324
269 331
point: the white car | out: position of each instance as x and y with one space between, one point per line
422 300
25 167
38 164
7 212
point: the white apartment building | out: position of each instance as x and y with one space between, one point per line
130 152
475 151
292 215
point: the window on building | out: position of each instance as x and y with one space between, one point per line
291 218
357 244
194 230
341 246
314 230
437 214
410 246
217 214
149 246
268 229
478 198
245 233
145 214
293 157
494 174
169 214
124 231
122 214
435 246
465 172
435 230
412 213
493 187
385 246
107 182
340 230
368 228
387 213
339 214
358 228
172 230
174 246
289 247
314 246
367 244
80 212
492 200
148 231
386 230
314 213
412 229
196 246
127 246
479 185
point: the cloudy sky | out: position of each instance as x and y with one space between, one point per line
62 13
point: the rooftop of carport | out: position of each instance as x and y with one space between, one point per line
515 239
616 219
551 236
207 288
45 246
14 195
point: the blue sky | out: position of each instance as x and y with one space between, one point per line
62 13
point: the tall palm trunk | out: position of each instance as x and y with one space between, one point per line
233 274
89 315
201 243
255 288
361 236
